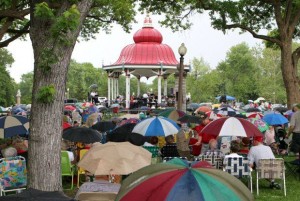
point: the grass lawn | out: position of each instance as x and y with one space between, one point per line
265 193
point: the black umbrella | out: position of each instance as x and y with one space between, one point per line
190 119
240 116
253 109
104 126
32 195
280 109
124 133
82 134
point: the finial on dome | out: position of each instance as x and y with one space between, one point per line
148 21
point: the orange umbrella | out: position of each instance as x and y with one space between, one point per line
203 109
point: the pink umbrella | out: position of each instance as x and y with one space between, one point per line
231 126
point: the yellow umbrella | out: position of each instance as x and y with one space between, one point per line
115 158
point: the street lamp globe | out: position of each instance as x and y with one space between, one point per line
182 50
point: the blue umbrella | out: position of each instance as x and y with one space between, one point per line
156 126
13 125
227 97
275 119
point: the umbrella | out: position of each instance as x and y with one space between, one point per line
13 125
231 126
86 104
256 115
92 109
37 195
115 158
124 133
212 115
69 107
280 109
227 97
260 124
156 126
203 109
253 109
226 111
104 126
128 121
176 180
93 86
82 134
190 119
172 114
275 119
260 99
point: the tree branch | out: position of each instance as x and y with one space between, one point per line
16 36
253 33
14 14
99 18
5 27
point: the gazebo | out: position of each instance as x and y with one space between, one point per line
147 57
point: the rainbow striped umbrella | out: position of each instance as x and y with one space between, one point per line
172 114
178 180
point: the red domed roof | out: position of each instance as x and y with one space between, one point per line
147 49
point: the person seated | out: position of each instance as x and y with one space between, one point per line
101 184
151 142
65 147
213 149
234 149
244 145
260 151
9 152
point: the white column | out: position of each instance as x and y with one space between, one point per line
108 90
127 89
117 85
165 86
159 89
112 88
138 87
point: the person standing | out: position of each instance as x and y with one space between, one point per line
183 138
294 129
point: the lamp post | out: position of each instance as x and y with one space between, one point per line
182 51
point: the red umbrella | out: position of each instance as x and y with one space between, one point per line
70 107
256 115
213 116
231 126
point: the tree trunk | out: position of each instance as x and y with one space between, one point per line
44 172
289 74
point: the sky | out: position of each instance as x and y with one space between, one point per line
201 41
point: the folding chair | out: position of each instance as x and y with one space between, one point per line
13 174
271 169
80 171
67 169
166 159
238 167
97 196
169 150
155 153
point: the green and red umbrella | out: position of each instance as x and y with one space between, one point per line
179 180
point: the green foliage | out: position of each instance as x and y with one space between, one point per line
47 59
25 87
65 23
274 34
43 11
46 94
7 89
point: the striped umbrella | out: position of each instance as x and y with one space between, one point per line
172 114
231 126
213 116
257 115
13 125
178 180
156 126
226 111
260 124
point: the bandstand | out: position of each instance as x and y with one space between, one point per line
146 57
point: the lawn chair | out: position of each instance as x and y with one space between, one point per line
238 167
155 153
13 174
80 171
270 169
97 196
67 169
